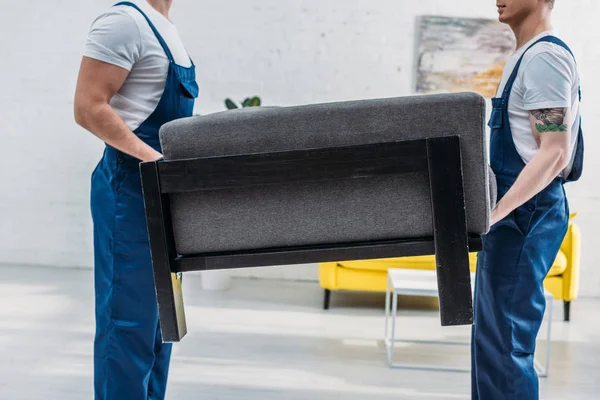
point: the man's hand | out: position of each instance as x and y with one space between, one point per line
553 134
154 156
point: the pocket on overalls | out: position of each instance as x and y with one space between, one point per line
118 173
497 117
188 92
496 124
189 89
523 216
129 208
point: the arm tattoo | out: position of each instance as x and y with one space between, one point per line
550 119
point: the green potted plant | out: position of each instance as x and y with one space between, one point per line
248 102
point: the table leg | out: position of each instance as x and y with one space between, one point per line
393 335
387 308
550 306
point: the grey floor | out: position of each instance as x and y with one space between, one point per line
265 340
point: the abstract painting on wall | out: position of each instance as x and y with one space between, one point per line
461 54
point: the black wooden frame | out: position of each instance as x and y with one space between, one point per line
439 157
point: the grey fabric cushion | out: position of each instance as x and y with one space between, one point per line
390 207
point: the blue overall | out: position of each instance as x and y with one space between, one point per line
131 362
517 254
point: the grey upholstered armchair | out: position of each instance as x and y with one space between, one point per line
324 182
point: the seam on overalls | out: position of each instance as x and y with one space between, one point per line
535 209
531 214
111 325
511 383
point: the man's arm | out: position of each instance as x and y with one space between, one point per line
553 131
97 83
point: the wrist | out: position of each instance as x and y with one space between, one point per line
152 156
148 154
498 213
499 210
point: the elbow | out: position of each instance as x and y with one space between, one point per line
562 157
87 113
564 162
81 114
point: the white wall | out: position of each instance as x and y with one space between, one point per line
288 52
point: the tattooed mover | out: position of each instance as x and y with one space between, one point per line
536 146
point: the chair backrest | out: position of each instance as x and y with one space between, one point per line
341 211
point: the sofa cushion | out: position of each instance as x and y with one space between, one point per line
344 211
419 262
559 266
428 263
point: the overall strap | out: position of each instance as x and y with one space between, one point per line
513 76
156 33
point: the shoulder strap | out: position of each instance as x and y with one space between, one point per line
513 76
156 33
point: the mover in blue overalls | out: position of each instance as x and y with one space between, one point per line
130 360
532 214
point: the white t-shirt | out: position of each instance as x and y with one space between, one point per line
547 78
122 36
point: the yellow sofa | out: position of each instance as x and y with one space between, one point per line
371 275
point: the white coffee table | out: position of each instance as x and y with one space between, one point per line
424 283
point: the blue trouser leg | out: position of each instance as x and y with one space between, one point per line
510 302
474 389
157 386
130 360
102 205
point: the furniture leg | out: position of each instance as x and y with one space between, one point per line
550 299
392 341
450 230
327 299
567 311
388 294
162 248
